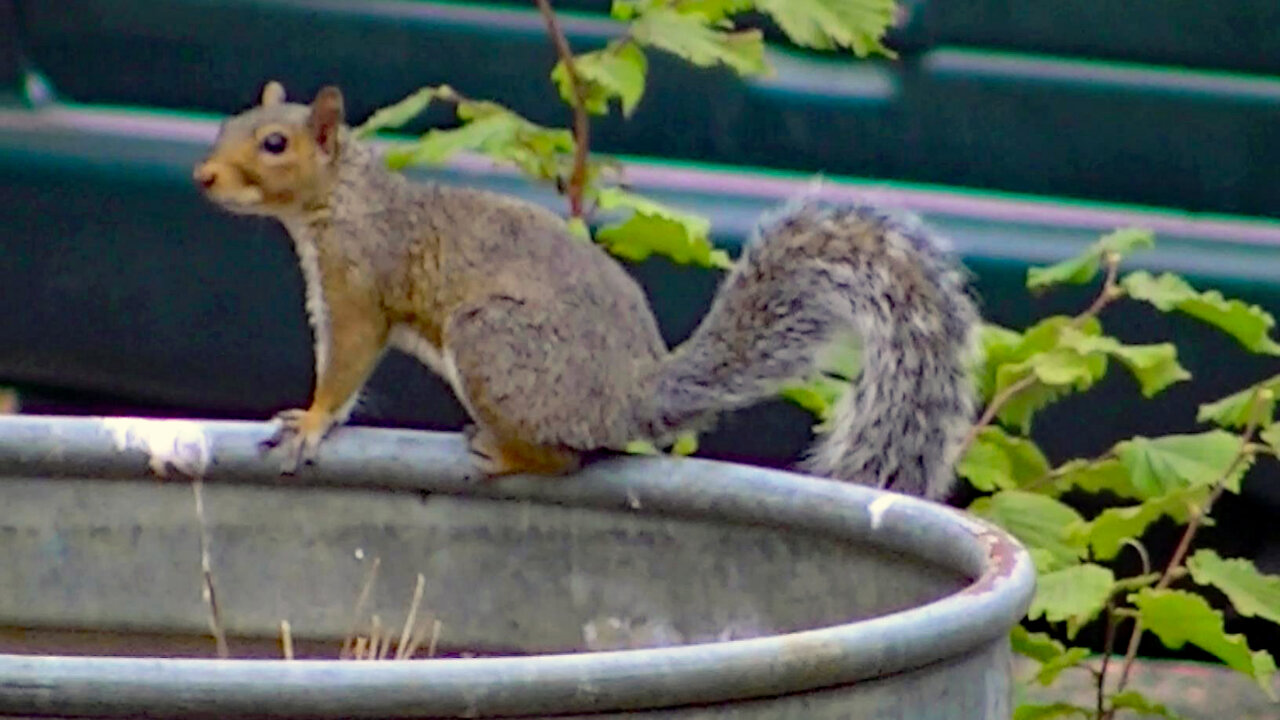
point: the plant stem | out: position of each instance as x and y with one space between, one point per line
1174 569
1111 291
581 121
1108 645
997 402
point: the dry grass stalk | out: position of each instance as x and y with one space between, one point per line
375 637
286 639
411 618
435 637
206 570
359 607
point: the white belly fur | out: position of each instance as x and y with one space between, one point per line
408 340
317 311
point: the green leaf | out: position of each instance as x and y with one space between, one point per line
1107 532
999 346
613 198
1139 703
1049 352
578 228
497 132
1174 462
641 447
1044 560
859 25
1178 617
1155 366
1271 436
1075 595
1039 521
1249 324
1040 647
1253 593
1053 657
394 116
712 10
997 460
686 444
616 71
1064 367
1050 711
1095 477
653 228
1075 271
818 395
1125 241
1233 410
627 9
1050 670
689 37
1021 408
1084 267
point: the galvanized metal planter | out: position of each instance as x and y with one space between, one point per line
640 587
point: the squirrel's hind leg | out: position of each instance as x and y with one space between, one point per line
496 456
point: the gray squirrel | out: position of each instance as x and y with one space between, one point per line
550 345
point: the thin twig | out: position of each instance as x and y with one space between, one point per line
410 618
286 639
359 607
1174 568
581 121
206 572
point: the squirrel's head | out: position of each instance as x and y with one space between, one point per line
277 158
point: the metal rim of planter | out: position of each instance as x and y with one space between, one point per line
121 448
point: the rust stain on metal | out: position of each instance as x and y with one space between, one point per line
1001 559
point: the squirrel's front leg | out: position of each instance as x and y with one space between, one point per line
351 334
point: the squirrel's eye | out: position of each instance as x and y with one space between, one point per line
275 143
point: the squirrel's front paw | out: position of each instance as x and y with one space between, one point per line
298 433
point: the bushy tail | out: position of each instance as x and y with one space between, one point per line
813 276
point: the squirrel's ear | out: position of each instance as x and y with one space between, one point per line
272 94
326 117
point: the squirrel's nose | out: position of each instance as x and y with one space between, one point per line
205 176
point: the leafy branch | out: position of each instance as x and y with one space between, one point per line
1179 477
700 32
1175 566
